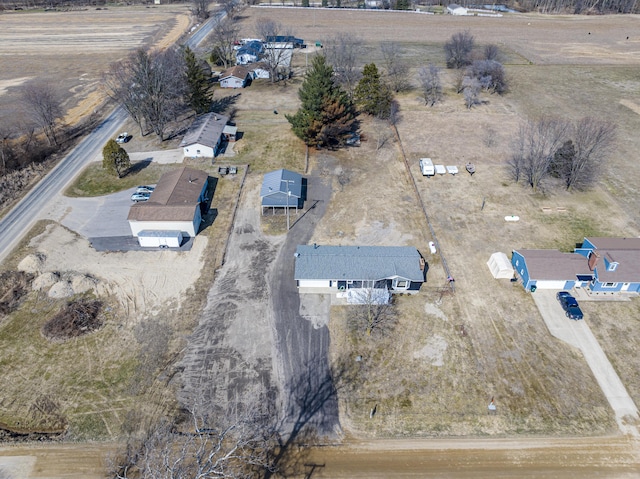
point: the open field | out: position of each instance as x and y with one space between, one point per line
449 354
75 48
487 340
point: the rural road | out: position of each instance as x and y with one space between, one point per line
31 208
579 335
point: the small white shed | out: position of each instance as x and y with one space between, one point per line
160 239
500 266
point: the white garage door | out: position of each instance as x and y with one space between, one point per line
550 284
313 283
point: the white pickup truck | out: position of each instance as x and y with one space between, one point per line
426 167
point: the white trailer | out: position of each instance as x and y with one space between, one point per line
160 239
426 167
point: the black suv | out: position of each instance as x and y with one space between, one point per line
566 300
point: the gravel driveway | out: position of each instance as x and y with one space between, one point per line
252 336
579 335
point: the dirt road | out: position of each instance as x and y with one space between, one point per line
540 457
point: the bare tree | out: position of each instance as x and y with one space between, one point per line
471 91
534 149
230 7
235 444
491 52
397 68
490 74
593 142
276 55
151 87
458 49
43 105
429 78
343 52
200 9
223 36
375 314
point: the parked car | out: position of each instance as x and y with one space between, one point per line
145 189
574 312
140 197
123 137
566 300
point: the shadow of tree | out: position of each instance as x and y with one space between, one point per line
312 396
222 104
138 166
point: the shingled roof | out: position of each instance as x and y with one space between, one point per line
205 130
358 263
174 199
547 264
625 252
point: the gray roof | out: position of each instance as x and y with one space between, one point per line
205 130
548 264
358 263
279 185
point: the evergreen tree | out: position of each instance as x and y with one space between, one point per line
305 3
198 91
326 117
372 95
403 4
115 159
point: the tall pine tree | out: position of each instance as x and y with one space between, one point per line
372 95
327 116
198 87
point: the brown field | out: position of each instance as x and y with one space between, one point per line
73 50
450 353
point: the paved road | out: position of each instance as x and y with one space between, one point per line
22 217
31 208
579 335
309 393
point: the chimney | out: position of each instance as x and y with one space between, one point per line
593 260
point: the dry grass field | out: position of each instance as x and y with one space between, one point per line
449 354
73 49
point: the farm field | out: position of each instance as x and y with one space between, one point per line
73 49
449 354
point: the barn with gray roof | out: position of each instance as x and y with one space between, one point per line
282 189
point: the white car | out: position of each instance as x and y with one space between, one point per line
145 189
122 137
140 197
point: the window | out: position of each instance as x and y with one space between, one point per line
612 266
609 285
402 284
517 262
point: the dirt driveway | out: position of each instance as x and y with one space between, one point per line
229 355
254 335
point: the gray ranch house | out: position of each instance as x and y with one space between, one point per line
337 269
204 136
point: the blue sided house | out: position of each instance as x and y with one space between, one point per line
599 265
